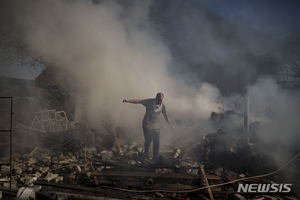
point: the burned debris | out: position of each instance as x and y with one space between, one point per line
55 157
118 173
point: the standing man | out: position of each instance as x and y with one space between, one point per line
154 107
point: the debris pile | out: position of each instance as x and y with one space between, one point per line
65 163
55 157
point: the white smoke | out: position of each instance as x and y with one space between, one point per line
115 54
278 112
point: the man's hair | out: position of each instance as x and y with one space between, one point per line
160 94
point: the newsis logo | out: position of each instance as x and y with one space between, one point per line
264 188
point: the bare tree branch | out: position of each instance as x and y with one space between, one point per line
291 74
13 51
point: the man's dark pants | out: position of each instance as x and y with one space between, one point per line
151 134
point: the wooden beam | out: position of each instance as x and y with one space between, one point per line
206 182
145 174
203 197
173 175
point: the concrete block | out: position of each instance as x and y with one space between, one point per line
18 170
58 179
5 169
44 169
28 181
50 176
37 174
6 184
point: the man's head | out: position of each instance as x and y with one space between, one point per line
159 98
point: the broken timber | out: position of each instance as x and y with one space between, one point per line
146 174
110 173
206 182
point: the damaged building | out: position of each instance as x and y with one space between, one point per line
56 154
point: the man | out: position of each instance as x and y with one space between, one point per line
154 107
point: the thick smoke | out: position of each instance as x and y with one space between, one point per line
114 53
240 59
118 50
278 112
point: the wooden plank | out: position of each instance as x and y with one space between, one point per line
108 163
206 182
141 185
173 175
145 174
104 192
116 139
203 197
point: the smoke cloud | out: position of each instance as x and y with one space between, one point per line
201 61
113 53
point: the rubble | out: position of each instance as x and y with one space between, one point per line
25 193
50 176
128 171
5 169
55 156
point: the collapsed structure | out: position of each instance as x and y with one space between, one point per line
56 154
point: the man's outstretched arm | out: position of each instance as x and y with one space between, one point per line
135 101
